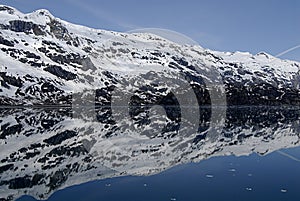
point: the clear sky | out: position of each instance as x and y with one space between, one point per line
272 26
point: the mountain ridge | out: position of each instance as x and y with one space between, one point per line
66 58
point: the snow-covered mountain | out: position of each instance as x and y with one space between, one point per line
44 60
48 62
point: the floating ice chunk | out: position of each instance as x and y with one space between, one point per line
209 176
283 190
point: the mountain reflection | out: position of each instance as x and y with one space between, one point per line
46 149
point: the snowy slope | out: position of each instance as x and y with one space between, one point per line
44 60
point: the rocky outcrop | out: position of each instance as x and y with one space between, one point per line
60 72
26 27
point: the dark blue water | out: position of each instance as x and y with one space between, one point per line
271 177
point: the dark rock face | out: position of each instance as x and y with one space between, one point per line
6 167
58 30
10 80
26 27
12 130
268 95
23 182
259 90
61 32
5 101
3 41
59 138
19 183
48 88
60 72
58 178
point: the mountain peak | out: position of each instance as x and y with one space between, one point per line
41 16
43 12
264 54
8 9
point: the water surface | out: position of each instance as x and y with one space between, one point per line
52 154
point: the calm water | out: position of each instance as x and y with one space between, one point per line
52 154
273 177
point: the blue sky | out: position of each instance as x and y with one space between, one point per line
272 26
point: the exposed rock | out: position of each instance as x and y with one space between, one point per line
12 130
60 137
6 167
26 27
60 72
58 30
11 80
6 42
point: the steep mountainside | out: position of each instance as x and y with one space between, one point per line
45 60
